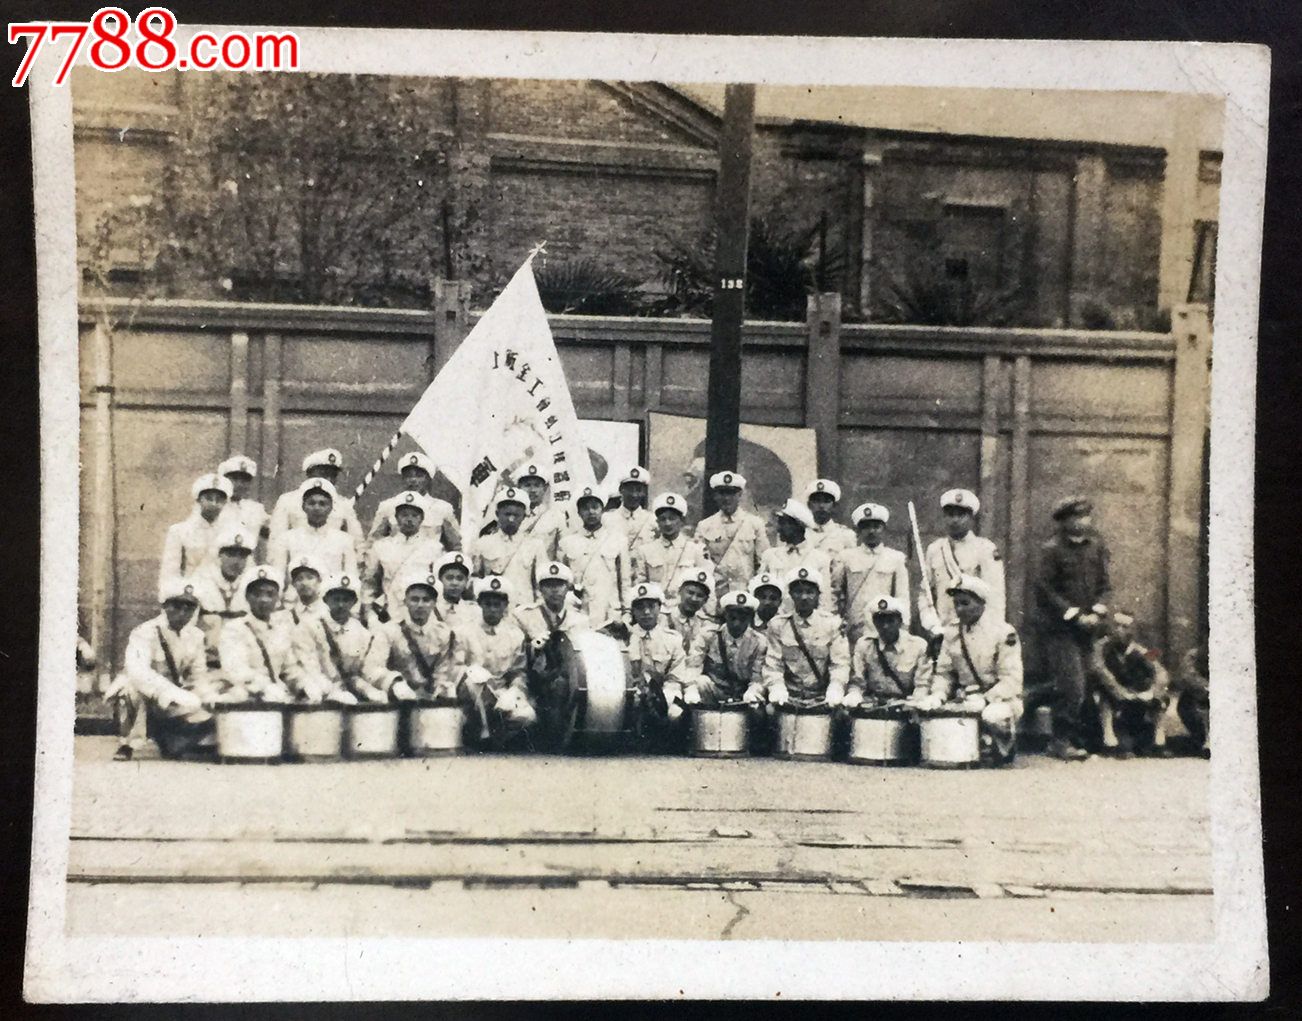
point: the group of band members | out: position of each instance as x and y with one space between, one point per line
410 610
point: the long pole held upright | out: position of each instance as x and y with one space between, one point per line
732 218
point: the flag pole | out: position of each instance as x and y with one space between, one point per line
379 463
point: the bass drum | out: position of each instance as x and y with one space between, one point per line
586 702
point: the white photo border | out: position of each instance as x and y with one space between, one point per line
60 968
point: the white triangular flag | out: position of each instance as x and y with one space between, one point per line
501 403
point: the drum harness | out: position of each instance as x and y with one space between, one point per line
967 657
336 654
266 657
168 658
731 539
425 667
825 675
862 581
888 669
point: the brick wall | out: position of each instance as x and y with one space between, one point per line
607 171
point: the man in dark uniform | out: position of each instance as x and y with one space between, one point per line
1072 592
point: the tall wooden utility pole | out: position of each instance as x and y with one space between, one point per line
732 218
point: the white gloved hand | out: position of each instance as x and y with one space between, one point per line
674 711
341 696
929 702
974 702
692 696
778 696
401 690
116 688
277 693
853 698
186 699
508 701
374 694
834 699
753 696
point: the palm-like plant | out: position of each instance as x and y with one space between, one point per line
582 287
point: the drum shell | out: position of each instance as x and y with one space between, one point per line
371 731
314 733
249 731
434 728
950 740
720 733
598 672
804 735
883 739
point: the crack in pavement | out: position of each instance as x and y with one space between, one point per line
742 912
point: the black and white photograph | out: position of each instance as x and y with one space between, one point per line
611 498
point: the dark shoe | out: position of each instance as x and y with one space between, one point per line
1159 752
1123 754
1067 752
123 754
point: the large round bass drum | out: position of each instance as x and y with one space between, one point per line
883 736
804 732
587 699
721 731
250 731
951 738
371 731
434 727
314 733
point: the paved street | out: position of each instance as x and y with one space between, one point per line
603 847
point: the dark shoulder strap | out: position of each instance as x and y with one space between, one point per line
425 667
266 657
336 655
823 676
967 657
885 664
169 658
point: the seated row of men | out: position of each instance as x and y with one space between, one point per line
488 654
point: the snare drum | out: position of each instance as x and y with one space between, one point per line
314 733
804 733
721 732
371 731
434 727
951 738
250 731
883 736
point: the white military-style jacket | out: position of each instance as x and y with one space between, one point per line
736 545
946 559
823 673
983 659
